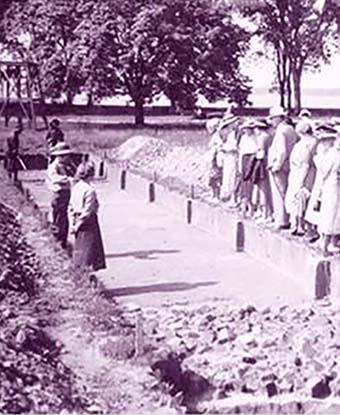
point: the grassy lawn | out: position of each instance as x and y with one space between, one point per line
92 134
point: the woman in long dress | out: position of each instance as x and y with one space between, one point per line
229 157
326 136
329 224
88 247
301 176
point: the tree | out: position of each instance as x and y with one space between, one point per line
44 31
300 33
181 48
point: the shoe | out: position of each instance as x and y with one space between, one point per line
297 233
313 239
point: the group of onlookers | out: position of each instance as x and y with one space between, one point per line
280 172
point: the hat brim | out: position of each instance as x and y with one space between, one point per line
228 122
61 152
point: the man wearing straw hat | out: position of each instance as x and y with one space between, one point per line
283 142
59 176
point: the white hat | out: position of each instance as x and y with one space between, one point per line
228 120
305 113
61 149
248 124
277 112
304 127
212 125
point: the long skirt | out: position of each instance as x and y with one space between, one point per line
229 179
246 185
60 222
313 211
329 223
88 247
296 180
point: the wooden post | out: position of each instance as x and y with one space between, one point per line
152 192
101 169
123 180
239 237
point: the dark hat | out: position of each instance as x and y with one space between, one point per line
55 122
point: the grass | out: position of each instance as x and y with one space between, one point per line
84 137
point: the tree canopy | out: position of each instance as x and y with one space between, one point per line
301 33
180 48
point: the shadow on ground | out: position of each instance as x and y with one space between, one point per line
143 254
153 288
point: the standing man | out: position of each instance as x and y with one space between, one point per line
12 154
59 176
55 134
284 139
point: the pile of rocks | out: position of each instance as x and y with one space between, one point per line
177 166
32 375
248 352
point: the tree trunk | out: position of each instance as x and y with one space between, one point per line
297 73
69 98
139 111
89 100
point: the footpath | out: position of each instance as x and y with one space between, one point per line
154 257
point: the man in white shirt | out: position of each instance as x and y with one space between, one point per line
59 176
283 142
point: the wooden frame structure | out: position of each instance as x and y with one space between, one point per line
19 85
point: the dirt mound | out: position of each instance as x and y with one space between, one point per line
174 165
142 148
32 376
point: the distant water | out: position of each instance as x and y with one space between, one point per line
311 98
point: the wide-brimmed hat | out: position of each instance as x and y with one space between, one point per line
260 124
247 124
325 131
227 120
305 113
212 125
277 111
61 149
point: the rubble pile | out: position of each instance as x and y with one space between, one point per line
32 376
176 166
250 353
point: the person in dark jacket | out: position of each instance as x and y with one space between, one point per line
55 134
12 154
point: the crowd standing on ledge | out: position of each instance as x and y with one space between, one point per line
283 174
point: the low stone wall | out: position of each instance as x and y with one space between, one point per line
318 275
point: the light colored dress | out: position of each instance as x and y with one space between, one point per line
300 168
313 215
229 153
330 193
